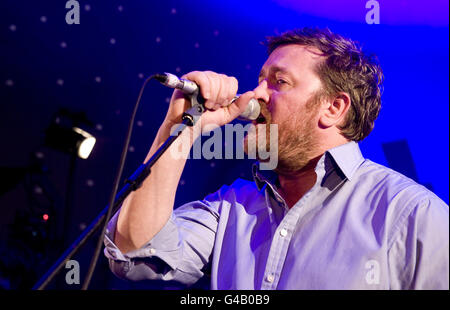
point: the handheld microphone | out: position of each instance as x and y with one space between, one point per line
188 87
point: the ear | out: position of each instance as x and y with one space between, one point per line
334 110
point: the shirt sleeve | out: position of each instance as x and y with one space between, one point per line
419 254
180 251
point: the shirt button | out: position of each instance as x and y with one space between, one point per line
152 251
283 232
270 278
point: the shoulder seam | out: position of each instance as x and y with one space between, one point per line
402 218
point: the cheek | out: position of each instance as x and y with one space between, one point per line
275 107
283 108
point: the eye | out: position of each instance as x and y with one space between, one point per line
281 81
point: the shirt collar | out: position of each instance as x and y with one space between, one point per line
347 157
262 177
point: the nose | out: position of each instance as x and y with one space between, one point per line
262 92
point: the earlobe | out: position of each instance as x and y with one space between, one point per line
325 121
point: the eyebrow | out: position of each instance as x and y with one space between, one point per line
274 69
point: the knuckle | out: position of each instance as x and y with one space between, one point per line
190 74
233 83
210 73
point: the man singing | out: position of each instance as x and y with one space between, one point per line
324 218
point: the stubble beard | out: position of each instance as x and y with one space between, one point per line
297 141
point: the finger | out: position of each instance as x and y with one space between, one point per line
203 82
229 87
233 87
223 91
214 81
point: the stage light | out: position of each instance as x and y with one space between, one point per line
64 134
85 145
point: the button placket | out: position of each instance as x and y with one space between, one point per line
277 255
270 278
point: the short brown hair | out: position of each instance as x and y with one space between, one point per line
345 69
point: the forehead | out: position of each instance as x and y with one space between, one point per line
293 58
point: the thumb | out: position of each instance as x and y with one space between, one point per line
239 105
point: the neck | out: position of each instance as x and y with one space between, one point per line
295 184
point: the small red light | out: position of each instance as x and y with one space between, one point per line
45 217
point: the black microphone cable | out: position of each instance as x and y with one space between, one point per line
115 185
132 184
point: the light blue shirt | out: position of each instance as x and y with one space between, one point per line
361 226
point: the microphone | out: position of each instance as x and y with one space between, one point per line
188 87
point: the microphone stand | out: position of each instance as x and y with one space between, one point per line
189 118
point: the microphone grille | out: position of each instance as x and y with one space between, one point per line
252 111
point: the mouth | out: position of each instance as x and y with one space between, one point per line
264 116
260 120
